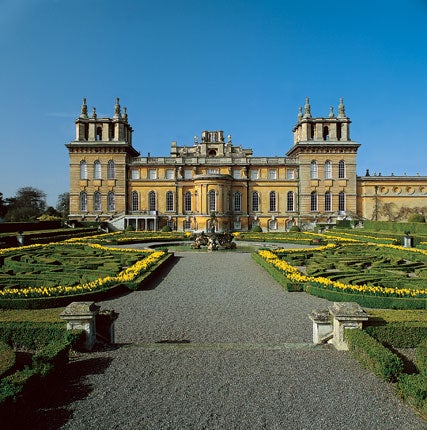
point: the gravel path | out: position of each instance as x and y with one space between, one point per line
218 344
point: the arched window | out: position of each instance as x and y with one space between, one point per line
83 169
328 201
313 201
111 170
341 201
255 201
237 201
328 169
135 201
152 204
272 224
314 170
83 201
97 201
290 201
97 170
169 201
273 201
111 201
187 201
341 169
212 201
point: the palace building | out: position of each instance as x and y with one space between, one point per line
314 182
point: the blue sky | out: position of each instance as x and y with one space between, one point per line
180 67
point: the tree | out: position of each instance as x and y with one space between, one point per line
417 218
50 214
3 206
27 205
63 204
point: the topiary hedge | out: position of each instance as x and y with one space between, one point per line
367 300
399 334
52 343
373 355
7 358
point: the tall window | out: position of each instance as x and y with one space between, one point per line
134 174
111 170
341 169
187 201
290 203
314 170
83 169
328 169
97 170
273 205
152 201
237 201
212 201
313 201
83 201
328 201
272 174
97 200
135 201
169 201
341 201
255 202
111 201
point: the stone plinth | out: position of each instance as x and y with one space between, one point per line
81 316
105 325
322 325
347 315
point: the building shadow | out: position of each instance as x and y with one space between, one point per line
47 405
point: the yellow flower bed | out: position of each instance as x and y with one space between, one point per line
127 275
294 275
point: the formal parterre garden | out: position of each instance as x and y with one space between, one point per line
366 269
71 268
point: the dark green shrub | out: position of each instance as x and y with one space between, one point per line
294 228
7 358
413 389
417 218
166 228
421 357
399 334
373 355
13 385
52 356
256 229
130 227
31 336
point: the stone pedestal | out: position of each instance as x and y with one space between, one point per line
105 325
81 316
322 325
347 315
408 242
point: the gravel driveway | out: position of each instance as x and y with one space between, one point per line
217 344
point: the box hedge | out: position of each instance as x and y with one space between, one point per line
373 355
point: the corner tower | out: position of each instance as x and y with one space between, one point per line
99 157
327 164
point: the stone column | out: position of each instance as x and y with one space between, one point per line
81 316
347 315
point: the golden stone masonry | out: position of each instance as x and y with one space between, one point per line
315 182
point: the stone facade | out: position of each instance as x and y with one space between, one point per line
315 182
